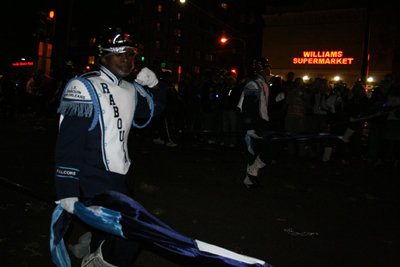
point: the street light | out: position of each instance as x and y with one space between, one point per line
224 40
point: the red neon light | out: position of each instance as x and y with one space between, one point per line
323 61
22 64
322 53
323 58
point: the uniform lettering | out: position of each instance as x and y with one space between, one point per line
105 88
116 113
126 159
66 172
112 103
121 135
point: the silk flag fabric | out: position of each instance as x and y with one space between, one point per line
117 214
278 136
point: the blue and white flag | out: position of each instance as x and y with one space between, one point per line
117 214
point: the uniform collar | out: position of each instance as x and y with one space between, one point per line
110 75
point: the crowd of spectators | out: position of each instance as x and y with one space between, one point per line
204 107
368 124
34 93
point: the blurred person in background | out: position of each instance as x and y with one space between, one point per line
253 104
8 95
230 96
295 122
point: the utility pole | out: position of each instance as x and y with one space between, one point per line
365 58
46 34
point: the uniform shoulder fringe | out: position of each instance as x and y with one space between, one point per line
76 109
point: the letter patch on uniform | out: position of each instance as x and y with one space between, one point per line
76 100
69 173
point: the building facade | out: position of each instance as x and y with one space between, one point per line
329 43
174 36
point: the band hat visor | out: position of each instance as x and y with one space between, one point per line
120 44
121 49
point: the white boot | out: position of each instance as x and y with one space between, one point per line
252 173
247 182
95 259
327 154
347 134
253 168
82 249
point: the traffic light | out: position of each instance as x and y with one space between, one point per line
51 15
46 24
42 27
51 19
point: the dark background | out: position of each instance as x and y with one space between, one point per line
352 211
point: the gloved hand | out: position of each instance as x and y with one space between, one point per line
68 203
146 77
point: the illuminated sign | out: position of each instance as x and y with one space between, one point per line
323 58
22 64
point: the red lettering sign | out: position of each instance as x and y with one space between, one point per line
323 58
22 64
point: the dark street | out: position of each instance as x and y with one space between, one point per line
307 214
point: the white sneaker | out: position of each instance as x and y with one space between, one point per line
95 259
158 141
171 144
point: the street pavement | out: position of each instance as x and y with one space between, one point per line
307 214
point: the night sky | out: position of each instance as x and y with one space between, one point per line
19 21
